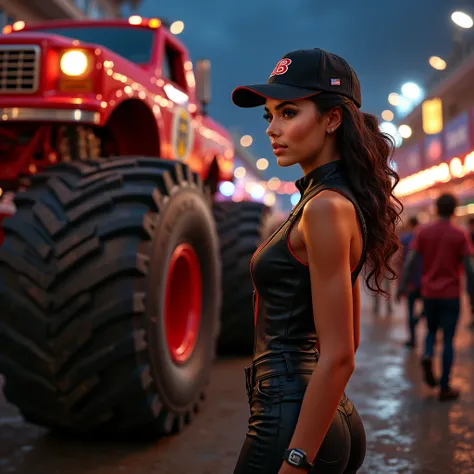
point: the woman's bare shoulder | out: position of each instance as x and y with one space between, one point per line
330 206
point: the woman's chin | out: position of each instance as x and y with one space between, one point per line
284 161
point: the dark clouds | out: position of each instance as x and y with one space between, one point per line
387 42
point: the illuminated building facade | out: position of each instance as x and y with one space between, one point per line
40 10
439 156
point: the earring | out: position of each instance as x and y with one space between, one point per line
331 130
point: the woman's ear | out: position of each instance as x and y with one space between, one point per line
334 118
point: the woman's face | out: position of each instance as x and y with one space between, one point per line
296 132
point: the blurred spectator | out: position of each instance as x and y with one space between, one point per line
471 293
443 247
471 228
413 287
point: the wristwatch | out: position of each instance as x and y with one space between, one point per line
297 458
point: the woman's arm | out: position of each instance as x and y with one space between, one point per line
327 225
356 312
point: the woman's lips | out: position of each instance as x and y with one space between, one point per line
278 150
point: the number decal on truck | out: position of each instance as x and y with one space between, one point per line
182 134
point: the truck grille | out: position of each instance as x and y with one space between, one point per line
19 69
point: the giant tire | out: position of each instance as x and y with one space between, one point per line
241 226
83 272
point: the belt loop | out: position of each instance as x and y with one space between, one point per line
248 383
316 350
290 372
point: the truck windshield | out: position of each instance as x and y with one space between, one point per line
134 44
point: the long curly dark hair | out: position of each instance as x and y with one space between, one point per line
366 154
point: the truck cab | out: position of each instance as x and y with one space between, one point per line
82 89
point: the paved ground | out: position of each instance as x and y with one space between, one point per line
409 431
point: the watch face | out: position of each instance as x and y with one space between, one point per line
295 458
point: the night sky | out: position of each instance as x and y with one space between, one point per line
387 42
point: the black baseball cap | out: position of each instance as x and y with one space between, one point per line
302 74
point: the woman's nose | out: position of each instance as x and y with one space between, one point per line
272 131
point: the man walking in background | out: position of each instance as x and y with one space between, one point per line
443 248
470 292
413 288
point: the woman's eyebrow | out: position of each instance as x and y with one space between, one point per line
279 106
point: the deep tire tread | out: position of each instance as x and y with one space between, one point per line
240 226
68 224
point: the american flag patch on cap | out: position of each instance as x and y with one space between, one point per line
335 82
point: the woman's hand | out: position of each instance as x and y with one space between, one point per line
287 469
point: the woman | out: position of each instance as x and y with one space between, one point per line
305 274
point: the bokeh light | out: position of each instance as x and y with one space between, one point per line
262 164
394 98
405 131
177 27
437 63
388 115
411 91
269 199
295 197
240 172
227 188
273 183
246 141
257 191
462 19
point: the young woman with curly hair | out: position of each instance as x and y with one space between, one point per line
307 314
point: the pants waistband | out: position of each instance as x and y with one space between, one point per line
286 364
282 364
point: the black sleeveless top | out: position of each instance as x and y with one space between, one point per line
283 309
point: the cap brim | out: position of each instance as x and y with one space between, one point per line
256 94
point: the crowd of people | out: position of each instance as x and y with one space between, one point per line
434 268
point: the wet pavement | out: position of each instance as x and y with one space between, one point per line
409 430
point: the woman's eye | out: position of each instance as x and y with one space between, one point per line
288 113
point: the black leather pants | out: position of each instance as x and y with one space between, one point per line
275 388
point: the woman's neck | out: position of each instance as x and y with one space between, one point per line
307 167
328 154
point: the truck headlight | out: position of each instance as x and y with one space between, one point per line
74 63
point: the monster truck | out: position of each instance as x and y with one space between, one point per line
110 266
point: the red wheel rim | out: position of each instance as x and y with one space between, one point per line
183 303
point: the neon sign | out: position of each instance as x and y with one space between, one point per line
442 173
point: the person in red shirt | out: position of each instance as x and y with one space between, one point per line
444 248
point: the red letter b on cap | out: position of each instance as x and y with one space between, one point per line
281 67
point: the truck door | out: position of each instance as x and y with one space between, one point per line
179 112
